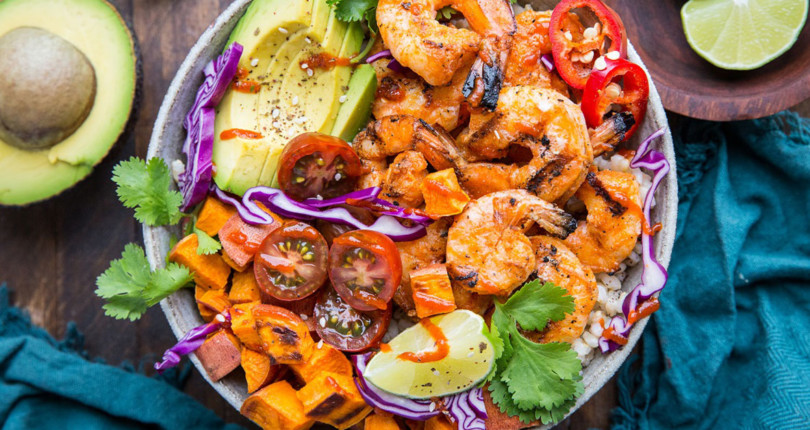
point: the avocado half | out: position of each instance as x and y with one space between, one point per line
74 69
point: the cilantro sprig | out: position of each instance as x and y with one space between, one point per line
206 244
144 186
130 287
355 11
530 380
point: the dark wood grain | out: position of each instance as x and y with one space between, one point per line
51 252
691 86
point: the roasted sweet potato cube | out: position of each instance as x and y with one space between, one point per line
206 313
284 336
214 300
244 325
323 359
333 399
439 422
276 407
432 291
244 288
209 270
213 215
443 195
220 354
377 421
258 370
240 240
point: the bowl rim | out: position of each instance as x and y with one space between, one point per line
165 132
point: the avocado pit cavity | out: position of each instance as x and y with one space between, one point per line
47 88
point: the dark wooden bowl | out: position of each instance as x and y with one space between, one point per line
691 86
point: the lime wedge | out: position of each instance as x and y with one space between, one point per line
467 363
742 34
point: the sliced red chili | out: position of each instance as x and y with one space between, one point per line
620 87
576 47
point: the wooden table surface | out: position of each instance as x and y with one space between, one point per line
51 252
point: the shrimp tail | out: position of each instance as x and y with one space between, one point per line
555 221
611 132
491 76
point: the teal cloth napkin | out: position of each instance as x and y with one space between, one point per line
45 384
730 346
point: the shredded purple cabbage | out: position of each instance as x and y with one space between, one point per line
386 53
419 410
547 61
654 275
199 123
364 194
190 342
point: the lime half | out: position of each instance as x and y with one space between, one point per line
742 34
467 363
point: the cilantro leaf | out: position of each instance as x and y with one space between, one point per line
145 186
497 345
534 381
130 287
534 305
446 12
353 10
206 244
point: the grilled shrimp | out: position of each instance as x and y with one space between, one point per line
402 185
391 136
531 42
558 265
609 232
487 248
545 123
407 94
418 253
436 51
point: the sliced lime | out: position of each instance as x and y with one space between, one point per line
467 363
742 34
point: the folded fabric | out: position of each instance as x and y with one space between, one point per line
45 384
730 346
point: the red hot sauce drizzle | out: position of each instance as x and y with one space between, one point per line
244 85
233 133
324 61
440 350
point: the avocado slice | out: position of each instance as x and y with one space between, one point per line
37 163
356 110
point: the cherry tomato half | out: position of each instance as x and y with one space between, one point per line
621 87
291 262
365 269
345 328
331 230
317 164
575 47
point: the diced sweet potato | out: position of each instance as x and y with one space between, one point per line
432 291
213 215
497 420
220 354
214 300
333 399
276 407
209 270
206 313
323 359
439 422
244 288
258 370
443 195
284 336
240 240
244 325
381 422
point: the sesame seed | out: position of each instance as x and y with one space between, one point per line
276 124
304 65
304 317
282 30
220 318
600 64
432 406
308 39
275 113
322 322
320 344
337 176
435 372
254 62
471 354
295 101
343 99
319 197
613 55
310 72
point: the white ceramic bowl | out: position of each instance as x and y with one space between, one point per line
167 140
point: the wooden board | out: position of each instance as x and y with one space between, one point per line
51 252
